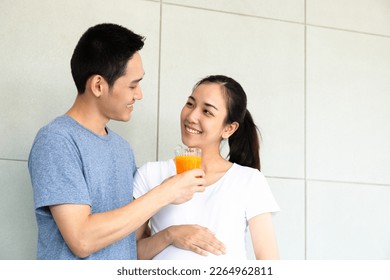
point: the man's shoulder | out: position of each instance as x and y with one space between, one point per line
59 125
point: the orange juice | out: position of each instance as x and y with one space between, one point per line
185 163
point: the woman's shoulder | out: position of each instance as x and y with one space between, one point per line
157 164
248 174
246 170
164 167
152 174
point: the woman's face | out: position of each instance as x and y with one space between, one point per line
203 117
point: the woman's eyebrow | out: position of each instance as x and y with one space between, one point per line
206 104
210 105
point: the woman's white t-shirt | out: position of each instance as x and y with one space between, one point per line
224 207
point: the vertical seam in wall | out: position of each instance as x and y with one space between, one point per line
305 125
159 84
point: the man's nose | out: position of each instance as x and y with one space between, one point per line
138 94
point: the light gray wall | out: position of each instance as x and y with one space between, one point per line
317 75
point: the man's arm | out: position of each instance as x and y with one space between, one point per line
86 233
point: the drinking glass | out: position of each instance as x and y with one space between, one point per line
187 159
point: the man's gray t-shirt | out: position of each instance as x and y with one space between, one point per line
70 164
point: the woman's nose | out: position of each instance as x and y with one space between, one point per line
193 116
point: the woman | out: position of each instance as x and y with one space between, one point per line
237 195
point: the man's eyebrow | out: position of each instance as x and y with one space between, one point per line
138 80
206 104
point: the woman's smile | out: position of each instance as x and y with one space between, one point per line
192 130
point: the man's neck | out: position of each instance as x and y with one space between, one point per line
85 113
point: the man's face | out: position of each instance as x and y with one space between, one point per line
118 102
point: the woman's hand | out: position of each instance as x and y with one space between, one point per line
195 238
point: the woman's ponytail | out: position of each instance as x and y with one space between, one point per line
244 144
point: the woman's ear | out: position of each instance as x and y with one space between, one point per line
96 84
229 129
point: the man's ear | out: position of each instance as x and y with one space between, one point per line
97 85
230 129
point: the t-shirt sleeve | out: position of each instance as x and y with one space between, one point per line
259 197
152 174
56 172
141 185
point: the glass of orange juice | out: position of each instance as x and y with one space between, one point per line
187 159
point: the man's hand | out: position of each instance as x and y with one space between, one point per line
181 188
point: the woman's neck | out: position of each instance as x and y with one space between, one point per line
214 166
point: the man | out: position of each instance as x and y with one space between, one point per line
82 172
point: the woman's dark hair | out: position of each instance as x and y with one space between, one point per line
244 144
103 49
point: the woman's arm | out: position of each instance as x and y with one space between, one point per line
143 231
263 237
188 237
